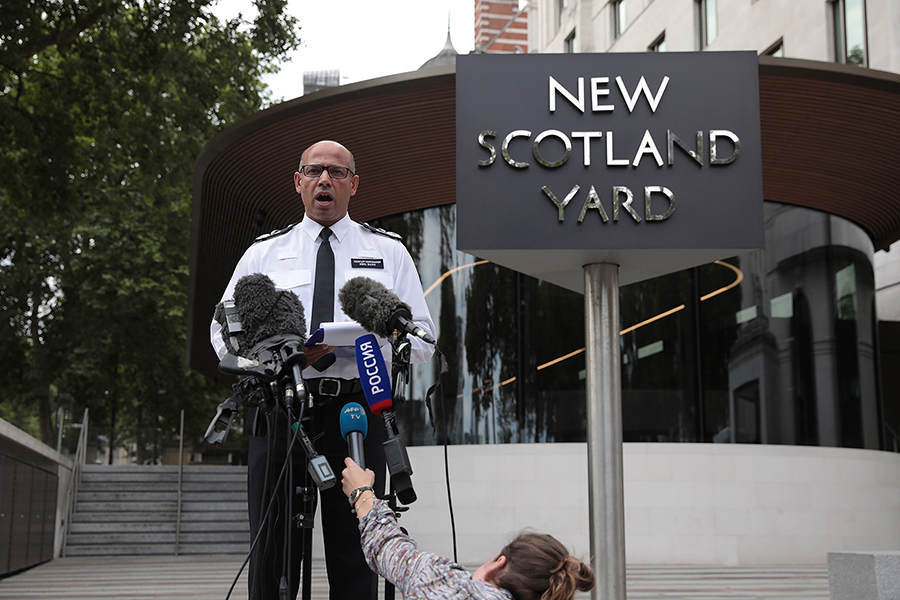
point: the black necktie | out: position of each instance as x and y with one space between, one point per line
323 294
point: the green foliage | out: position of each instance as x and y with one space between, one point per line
104 107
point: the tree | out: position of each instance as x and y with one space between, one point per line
104 107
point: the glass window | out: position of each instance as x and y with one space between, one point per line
776 346
849 20
776 50
659 45
515 366
708 24
571 45
619 21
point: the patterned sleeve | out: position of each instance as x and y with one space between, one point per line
396 557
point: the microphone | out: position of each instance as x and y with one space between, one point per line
317 465
376 384
354 427
267 329
378 309
257 312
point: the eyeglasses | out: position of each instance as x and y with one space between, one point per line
334 171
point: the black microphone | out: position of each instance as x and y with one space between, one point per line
378 309
376 384
266 329
354 427
259 311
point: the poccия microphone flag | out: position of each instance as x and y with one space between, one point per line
373 374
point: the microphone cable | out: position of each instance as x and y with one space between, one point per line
443 369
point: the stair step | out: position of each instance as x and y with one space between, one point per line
224 516
216 526
160 507
131 470
232 548
128 496
187 507
215 537
128 527
126 486
137 539
100 478
213 498
231 474
154 527
123 517
120 549
214 486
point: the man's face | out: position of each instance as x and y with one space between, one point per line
325 199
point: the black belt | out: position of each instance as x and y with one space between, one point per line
328 386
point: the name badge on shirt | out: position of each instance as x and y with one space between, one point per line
367 263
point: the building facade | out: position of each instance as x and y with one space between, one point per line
760 393
862 32
501 26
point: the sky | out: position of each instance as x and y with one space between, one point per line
365 39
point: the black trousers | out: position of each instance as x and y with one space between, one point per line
349 577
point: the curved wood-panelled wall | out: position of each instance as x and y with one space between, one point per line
828 134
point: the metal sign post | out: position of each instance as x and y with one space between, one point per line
604 430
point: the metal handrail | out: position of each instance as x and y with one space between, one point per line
75 479
180 484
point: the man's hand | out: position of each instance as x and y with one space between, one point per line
314 353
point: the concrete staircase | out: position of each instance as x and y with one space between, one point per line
133 510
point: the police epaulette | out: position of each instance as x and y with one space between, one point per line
276 233
385 233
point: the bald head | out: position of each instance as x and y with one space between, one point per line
351 164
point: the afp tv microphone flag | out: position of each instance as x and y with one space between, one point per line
373 374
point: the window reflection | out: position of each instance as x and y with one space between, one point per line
849 26
774 346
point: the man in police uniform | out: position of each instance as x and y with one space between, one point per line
325 180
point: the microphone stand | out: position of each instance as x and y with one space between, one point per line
277 364
304 520
293 360
394 449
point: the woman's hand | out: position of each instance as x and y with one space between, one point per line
354 477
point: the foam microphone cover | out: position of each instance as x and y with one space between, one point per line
264 311
354 427
353 419
370 304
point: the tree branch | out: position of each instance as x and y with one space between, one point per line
60 37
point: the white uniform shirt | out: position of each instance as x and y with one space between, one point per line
289 259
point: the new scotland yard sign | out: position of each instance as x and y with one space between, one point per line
651 161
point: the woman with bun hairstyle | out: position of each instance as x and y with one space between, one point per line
534 566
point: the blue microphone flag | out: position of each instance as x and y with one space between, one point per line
353 419
373 374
